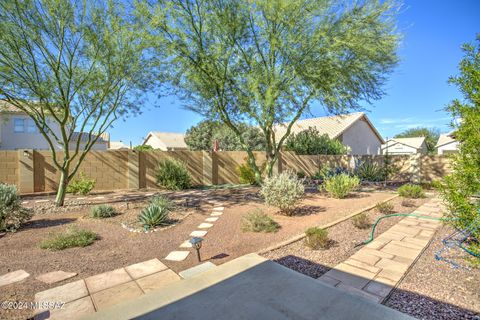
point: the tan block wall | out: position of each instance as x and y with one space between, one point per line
434 167
9 167
227 163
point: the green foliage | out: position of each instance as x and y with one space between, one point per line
327 172
103 211
311 142
81 185
143 147
317 238
370 171
385 207
257 221
412 191
72 65
163 202
361 221
474 246
301 174
283 191
463 183
153 216
339 186
12 214
72 237
173 175
264 63
203 136
431 136
246 174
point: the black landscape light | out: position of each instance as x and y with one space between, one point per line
197 244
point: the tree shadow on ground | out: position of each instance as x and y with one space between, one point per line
307 210
46 223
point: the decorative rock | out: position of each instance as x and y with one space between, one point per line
13 277
198 233
205 225
55 276
177 255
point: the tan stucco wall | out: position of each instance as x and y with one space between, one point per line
361 139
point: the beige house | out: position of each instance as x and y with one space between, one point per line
405 146
18 131
166 141
354 130
117 145
447 144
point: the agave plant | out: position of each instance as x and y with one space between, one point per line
153 216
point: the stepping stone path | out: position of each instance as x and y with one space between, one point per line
12 277
377 268
217 211
55 276
101 291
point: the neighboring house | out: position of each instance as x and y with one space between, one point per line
118 145
354 130
405 146
447 144
166 141
18 131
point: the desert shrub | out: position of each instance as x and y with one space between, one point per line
361 221
316 238
81 185
72 237
283 191
326 172
310 141
103 211
301 175
246 174
384 207
341 185
153 216
173 175
412 191
370 171
257 221
408 203
12 214
162 202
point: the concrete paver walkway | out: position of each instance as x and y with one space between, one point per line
378 267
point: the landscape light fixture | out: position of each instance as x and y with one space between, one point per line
197 244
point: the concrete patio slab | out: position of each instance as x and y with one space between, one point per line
66 293
107 280
177 255
157 280
145 268
12 277
115 295
192 272
72 310
55 276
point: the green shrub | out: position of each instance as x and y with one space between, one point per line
301 175
173 175
317 238
412 191
310 141
341 185
257 221
72 237
81 185
283 191
370 171
153 216
384 207
361 221
162 202
246 174
326 172
103 211
12 214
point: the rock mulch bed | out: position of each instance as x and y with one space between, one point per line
434 290
344 235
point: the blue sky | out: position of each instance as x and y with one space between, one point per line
416 93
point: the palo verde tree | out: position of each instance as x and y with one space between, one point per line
74 67
265 62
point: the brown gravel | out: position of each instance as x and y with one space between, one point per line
118 247
434 290
344 236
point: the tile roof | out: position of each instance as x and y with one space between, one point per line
171 139
411 142
445 138
7 107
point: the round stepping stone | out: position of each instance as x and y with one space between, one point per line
55 276
198 233
212 219
13 277
205 225
177 255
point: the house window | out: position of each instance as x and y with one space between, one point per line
31 127
19 125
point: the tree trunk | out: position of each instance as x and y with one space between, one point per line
253 165
62 188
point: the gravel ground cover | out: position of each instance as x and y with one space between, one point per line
433 290
344 236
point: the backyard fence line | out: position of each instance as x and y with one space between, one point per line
33 170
